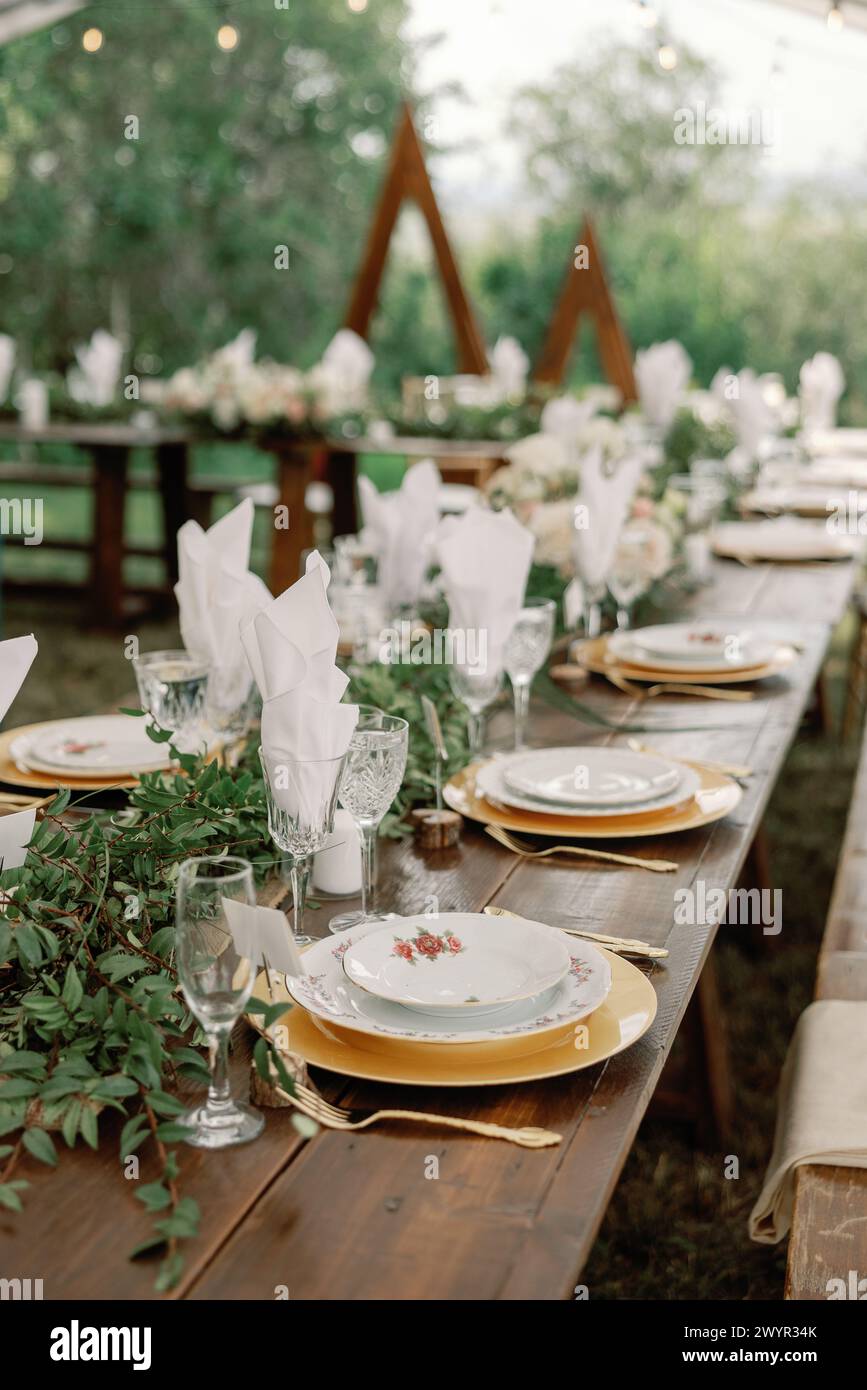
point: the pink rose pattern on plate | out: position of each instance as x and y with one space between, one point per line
428 946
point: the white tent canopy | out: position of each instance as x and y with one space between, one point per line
854 12
19 17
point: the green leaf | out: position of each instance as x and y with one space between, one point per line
14 1062
41 1145
171 1270
18 1088
165 1104
155 1196
9 1198
89 1127
133 1134
146 1247
69 1127
73 990
135 713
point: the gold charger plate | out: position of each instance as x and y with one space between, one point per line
716 797
48 781
592 654
626 1015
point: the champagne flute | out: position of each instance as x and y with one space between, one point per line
375 765
217 976
301 798
528 645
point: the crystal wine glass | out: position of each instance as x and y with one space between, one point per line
173 688
528 645
476 687
302 799
375 765
630 573
217 979
229 705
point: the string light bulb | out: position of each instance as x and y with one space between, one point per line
92 40
667 57
645 14
835 19
227 37
357 6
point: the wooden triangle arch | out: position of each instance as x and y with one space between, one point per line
407 177
585 291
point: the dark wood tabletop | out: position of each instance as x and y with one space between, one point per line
356 1216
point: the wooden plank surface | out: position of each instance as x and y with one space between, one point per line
346 1217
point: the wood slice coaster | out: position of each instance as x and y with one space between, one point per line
437 829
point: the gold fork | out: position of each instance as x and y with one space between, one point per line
644 692
503 837
736 770
332 1117
620 945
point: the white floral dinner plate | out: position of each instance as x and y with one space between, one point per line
591 776
328 994
745 653
491 783
815 497
454 965
714 642
99 745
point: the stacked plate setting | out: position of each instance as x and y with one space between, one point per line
99 747
587 782
458 985
702 648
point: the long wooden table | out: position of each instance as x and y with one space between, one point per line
356 1217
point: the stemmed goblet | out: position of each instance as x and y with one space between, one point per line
217 979
173 688
375 765
476 687
302 799
630 572
528 645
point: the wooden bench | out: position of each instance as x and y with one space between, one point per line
829 1219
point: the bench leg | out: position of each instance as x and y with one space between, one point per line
856 680
106 569
341 474
292 530
702 1092
173 470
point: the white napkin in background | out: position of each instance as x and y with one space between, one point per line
291 646
400 527
564 416
262 933
662 375
821 385
95 380
217 594
606 492
341 378
742 396
485 559
822 1107
509 366
7 364
16 830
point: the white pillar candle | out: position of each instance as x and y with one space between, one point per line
697 551
33 403
337 866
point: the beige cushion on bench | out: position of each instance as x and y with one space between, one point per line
822 1109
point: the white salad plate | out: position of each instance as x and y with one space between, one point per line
591 776
815 498
842 471
787 538
492 785
710 646
327 993
95 745
835 441
453 965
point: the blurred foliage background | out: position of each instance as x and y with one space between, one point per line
169 239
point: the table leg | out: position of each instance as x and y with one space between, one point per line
292 523
110 464
341 471
173 466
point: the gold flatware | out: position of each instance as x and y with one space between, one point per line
528 851
736 770
645 692
26 803
620 945
332 1117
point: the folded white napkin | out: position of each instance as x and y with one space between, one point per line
7 364
822 1107
217 595
340 380
16 658
485 560
400 527
262 934
564 416
602 506
509 366
95 380
662 375
821 385
291 646
752 417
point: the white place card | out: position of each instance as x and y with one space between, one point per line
263 933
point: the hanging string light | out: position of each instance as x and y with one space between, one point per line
227 37
835 19
667 57
357 6
92 40
645 14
